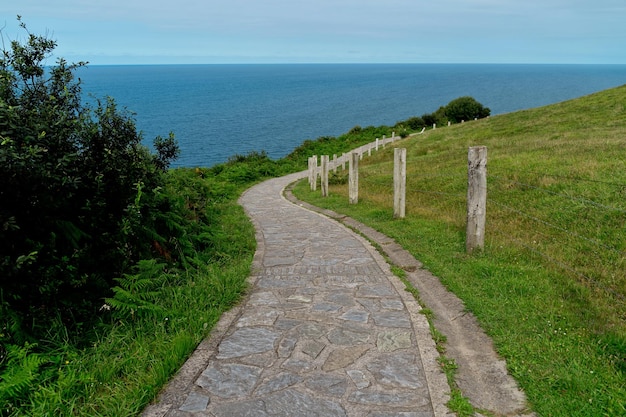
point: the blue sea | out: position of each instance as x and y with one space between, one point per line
217 111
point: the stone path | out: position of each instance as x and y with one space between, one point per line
326 330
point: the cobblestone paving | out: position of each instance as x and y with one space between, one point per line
326 331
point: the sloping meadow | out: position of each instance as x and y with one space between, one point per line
550 284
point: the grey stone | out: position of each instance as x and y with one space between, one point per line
358 378
375 291
251 408
397 370
313 348
263 298
357 315
300 298
277 383
195 402
298 365
326 307
286 346
328 384
342 357
312 330
247 341
392 319
391 399
345 337
269 282
400 414
391 304
286 324
258 318
390 341
290 403
341 298
229 380
370 304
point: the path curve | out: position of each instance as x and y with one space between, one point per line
326 330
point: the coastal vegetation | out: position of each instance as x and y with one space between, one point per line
550 285
112 266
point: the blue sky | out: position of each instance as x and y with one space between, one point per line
326 31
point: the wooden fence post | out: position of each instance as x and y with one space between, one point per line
353 178
399 182
324 175
314 175
311 173
335 163
377 144
476 198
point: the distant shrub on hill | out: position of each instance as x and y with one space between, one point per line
465 108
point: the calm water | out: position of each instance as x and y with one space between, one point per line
217 111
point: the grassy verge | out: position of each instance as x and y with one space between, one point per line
550 285
155 319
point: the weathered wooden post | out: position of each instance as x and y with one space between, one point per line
353 179
384 140
369 149
377 144
343 161
335 162
311 173
399 183
324 175
314 164
434 126
476 198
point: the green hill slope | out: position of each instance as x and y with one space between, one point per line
550 285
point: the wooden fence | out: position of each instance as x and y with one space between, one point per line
476 183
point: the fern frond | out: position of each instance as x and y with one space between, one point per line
20 373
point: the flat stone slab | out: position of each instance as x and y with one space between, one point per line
247 341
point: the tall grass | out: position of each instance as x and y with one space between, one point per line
550 285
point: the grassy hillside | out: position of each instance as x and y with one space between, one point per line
550 285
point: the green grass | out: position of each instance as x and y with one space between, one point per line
118 367
550 285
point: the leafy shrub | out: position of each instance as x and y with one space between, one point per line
415 123
80 193
465 108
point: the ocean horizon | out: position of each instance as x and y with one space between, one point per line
219 110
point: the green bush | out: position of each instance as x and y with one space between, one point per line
465 108
79 195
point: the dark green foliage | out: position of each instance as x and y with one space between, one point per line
415 123
77 193
19 376
136 293
329 145
465 108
